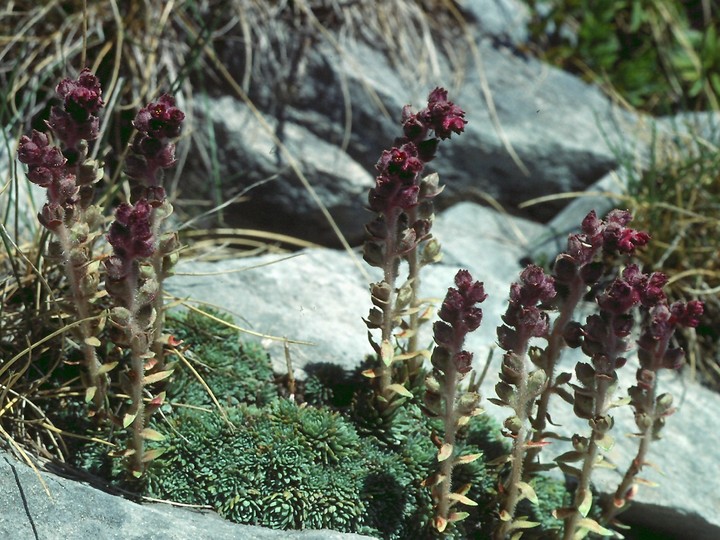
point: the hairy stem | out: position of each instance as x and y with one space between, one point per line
75 274
138 353
512 491
390 278
449 422
555 345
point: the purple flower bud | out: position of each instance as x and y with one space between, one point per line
536 286
413 128
131 234
42 176
622 325
619 239
591 224
451 306
619 297
463 362
443 334
687 314
573 334
618 217
81 97
160 119
443 116
565 268
473 291
51 216
31 150
591 272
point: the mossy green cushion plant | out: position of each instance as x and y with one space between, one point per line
235 371
293 467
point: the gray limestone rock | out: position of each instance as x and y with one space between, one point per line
344 110
320 296
77 511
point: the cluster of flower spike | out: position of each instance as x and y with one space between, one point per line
459 316
397 185
152 150
133 233
63 171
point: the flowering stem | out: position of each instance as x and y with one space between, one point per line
138 353
388 309
413 365
512 492
75 273
449 421
555 344
600 423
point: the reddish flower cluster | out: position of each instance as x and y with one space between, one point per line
130 236
76 119
397 184
459 316
47 167
654 350
610 235
152 151
523 318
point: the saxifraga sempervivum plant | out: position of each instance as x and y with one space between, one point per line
142 258
445 399
69 176
402 201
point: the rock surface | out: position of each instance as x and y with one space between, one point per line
77 511
344 110
321 296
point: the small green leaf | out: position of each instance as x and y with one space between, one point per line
586 503
104 368
527 492
462 499
128 419
570 470
400 389
387 351
457 516
445 452
570 457
153 454
523 524
155 377
593 526
92 341
90 393
152 435
468 458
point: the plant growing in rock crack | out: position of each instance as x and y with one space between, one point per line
519 387
443 397
651 410
402 201
604 338
69 176
142 258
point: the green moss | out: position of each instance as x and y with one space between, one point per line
284 466
659 56
236 372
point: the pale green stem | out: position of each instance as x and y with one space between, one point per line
75 274
512 497
555 345
449 421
